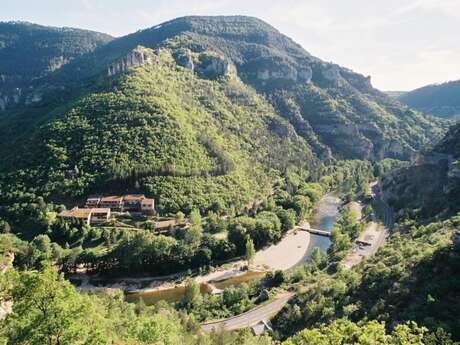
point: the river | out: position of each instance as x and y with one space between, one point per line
323 217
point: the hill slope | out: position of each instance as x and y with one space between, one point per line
431 185
441 100
220 102
29 51
335 109
191 142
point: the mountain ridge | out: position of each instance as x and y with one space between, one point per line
442 100
328 111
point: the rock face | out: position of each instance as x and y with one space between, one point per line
212 65
285 73
137 57
432 158
35 97
305 74
189 63
8 99
331 73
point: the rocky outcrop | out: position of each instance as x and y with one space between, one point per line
184 57
188 60
285 72
432 158
331 73
212 65
35 97
137 57
305 74
9 99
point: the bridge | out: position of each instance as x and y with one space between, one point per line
315 231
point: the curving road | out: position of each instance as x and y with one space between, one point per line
251 317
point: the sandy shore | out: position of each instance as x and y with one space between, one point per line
286 254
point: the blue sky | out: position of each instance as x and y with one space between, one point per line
402 44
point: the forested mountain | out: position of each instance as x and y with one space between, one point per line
189 141
29 52
431 185
239 68
442 100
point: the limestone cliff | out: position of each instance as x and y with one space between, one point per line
137 57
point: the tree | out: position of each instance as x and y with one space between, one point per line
372 332
4 227
48 310
180 217
195 217
250 251
317 258
192 296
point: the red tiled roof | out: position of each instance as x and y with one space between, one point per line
134 197
100 210
112 198
76 213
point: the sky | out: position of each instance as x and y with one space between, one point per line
401 44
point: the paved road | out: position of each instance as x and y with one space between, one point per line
387 212
251 317
371 234
387 215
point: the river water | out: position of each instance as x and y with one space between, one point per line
323 217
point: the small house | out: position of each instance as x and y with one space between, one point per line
165 226
93 201
169 226
115 203
77 213
100 215
133 202
148 205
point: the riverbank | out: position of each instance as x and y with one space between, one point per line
294 248
286 254
281 256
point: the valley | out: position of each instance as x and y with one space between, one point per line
209 181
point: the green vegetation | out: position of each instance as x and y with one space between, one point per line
243 146
412 278
159 131
29 51
347 332
439 100
250 251
48 310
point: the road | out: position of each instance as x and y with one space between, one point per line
251 317
375 234
387 213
